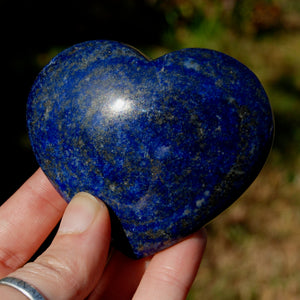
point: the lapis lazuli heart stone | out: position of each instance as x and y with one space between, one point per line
167 144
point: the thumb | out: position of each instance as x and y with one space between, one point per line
71 267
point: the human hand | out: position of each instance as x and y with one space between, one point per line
76 265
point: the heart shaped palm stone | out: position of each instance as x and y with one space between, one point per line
167 144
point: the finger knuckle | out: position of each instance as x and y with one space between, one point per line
9 261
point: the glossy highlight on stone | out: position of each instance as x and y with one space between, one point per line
167 144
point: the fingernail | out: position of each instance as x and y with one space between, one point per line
80 214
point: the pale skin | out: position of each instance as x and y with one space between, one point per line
76 265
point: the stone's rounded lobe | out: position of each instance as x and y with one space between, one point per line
168 143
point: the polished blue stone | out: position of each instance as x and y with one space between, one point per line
167 144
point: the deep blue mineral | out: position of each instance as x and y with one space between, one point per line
167 144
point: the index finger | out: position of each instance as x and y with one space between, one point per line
26 219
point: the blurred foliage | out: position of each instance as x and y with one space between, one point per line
253 247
